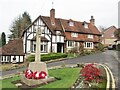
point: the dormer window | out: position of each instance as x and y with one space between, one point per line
90 36
74 34
85 24
58 32
112 35
71 23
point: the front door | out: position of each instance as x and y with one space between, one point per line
60 47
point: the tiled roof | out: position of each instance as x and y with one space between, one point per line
14 47
109 28
81 37
78 26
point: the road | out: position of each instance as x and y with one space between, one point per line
108 58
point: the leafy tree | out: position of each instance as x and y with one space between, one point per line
19 25
2 39
117 33
102 28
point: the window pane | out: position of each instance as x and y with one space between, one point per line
1 58
41 47
4 58
45 48
70 43
8 58
34 47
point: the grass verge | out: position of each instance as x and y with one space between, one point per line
67 78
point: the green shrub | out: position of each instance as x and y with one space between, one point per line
118 47
47 57
99 47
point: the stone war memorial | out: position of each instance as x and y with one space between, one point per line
37 72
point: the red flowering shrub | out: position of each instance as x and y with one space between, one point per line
91 73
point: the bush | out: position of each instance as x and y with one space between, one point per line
91 73
118 47
47 57
99 47
74 50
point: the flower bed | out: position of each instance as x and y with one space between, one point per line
91 76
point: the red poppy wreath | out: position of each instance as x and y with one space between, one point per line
36 75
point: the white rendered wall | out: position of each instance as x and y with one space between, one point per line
54 48
21 58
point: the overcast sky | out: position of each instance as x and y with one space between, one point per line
105 12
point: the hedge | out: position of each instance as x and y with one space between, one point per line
47 57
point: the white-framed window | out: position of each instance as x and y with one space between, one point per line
8 58
88 45
43 47
112 35
70 43
74 34
71 23
5 58
58 32
85 25
90 36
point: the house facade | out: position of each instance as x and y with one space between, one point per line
60 35
108 37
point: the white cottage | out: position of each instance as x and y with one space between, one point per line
12 52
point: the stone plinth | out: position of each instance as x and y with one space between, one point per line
32 82
38 66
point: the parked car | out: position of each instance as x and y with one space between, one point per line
111 47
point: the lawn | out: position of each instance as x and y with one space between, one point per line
6 83
67 78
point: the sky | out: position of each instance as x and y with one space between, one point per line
105 12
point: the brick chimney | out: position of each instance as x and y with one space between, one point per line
52 16
92 20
